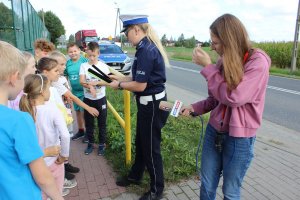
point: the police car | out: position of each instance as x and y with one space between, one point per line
112 55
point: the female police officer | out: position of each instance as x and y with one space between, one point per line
148 84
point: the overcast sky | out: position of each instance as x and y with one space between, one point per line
265 20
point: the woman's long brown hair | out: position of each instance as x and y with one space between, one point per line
235 42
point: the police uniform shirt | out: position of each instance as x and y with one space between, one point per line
149 67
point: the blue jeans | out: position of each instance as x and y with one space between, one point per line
232 163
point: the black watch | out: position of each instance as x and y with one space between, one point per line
119 86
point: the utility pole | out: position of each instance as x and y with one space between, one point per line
43 15
295 47
118 14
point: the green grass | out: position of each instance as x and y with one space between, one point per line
179 142
285 72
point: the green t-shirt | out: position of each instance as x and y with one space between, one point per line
72 72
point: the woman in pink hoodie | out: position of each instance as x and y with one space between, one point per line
236 95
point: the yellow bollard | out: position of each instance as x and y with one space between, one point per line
127 126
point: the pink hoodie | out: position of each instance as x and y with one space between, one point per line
245 104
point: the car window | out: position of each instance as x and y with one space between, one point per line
91 39
110 49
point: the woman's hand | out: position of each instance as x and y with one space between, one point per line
186 110
93 111
114 77
114 84
52 151
200 57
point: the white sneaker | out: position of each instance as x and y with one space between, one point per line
68 184
65 192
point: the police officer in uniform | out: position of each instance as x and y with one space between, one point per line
148 84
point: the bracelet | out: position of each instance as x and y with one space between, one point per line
119 86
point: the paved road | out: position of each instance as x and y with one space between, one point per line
282 100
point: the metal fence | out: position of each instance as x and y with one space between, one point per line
20 24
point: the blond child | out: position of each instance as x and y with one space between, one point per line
30 69
19 147
50 125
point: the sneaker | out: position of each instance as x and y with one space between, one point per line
101 149
69 176
125 181
89 149
78 135
151 196
85 139
71 169
65 192
70 183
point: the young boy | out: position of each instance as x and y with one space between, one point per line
21 158
72 72
94 95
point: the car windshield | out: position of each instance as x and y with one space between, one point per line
110 49
91 39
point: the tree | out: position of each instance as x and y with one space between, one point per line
53 24
164 40
206 44
190 43
71 38
7 25
180 41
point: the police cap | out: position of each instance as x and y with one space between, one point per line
129 20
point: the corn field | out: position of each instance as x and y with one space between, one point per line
280 53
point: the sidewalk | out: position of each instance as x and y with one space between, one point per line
274 173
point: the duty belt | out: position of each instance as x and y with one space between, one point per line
145 99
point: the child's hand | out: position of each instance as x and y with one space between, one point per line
93 111
52 151
60 160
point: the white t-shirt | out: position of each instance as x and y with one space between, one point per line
55 97
62 85
52 130
100 90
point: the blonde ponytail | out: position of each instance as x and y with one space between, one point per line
152 36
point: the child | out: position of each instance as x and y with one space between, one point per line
49 67
30 69
50 124
42 48
72 73
94 95
23 169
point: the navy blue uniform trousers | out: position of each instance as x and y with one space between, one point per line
150 121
